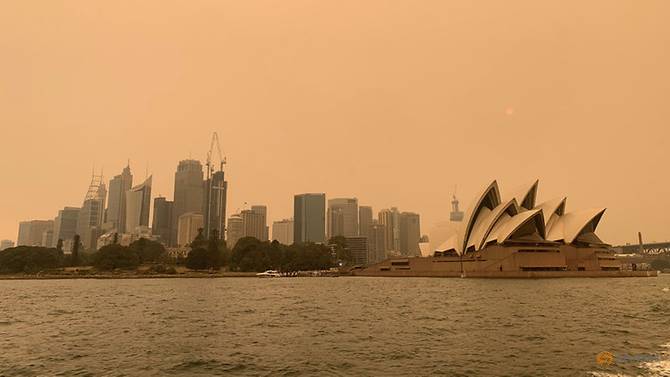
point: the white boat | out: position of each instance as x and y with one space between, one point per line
269 274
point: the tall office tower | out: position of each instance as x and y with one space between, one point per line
410 234
364 220
376 242
389 218
254 224
138 205
188 192
6 244
358 247
214 203
342 217
89 224
31 232
188 225
282 231
235 230
161 226
309 216
455 214
263 211
65 224
116 204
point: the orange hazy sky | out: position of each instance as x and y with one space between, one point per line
394 102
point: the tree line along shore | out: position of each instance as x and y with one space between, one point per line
206 257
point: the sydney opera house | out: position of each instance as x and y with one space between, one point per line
516 237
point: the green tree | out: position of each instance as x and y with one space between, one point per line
149 251
197 259
115 256
28 259
213 252
660 264
76 244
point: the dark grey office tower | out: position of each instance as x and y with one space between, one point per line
309 215
65 224
162 221
214 205
410 234
188 192
364 220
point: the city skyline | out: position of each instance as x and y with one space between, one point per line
449 96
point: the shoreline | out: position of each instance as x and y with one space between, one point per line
195 275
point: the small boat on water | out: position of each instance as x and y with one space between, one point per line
269 274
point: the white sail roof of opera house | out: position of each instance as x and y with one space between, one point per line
490 220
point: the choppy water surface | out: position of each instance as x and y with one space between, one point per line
334 326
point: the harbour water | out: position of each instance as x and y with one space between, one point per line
335 326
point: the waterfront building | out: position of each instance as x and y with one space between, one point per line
309 216
89 224
65 224
358 247
235 230
376 242
365 218
161 225
515 237
116 206
342 217
263 212
188 227
410 234
188 192
31 232
389 218
6 244
214 203
138 205
282 231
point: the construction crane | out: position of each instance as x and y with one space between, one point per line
220 189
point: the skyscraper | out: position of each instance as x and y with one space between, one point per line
31 232
254 224
161 226
364 220
89 224
138 205
410 234
376 242
188 226
282 231
116 206
214 203
389 219
358 247
235 230
309 215
263 211
188 192
65 224
342 217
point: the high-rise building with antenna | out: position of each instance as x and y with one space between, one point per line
455 215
